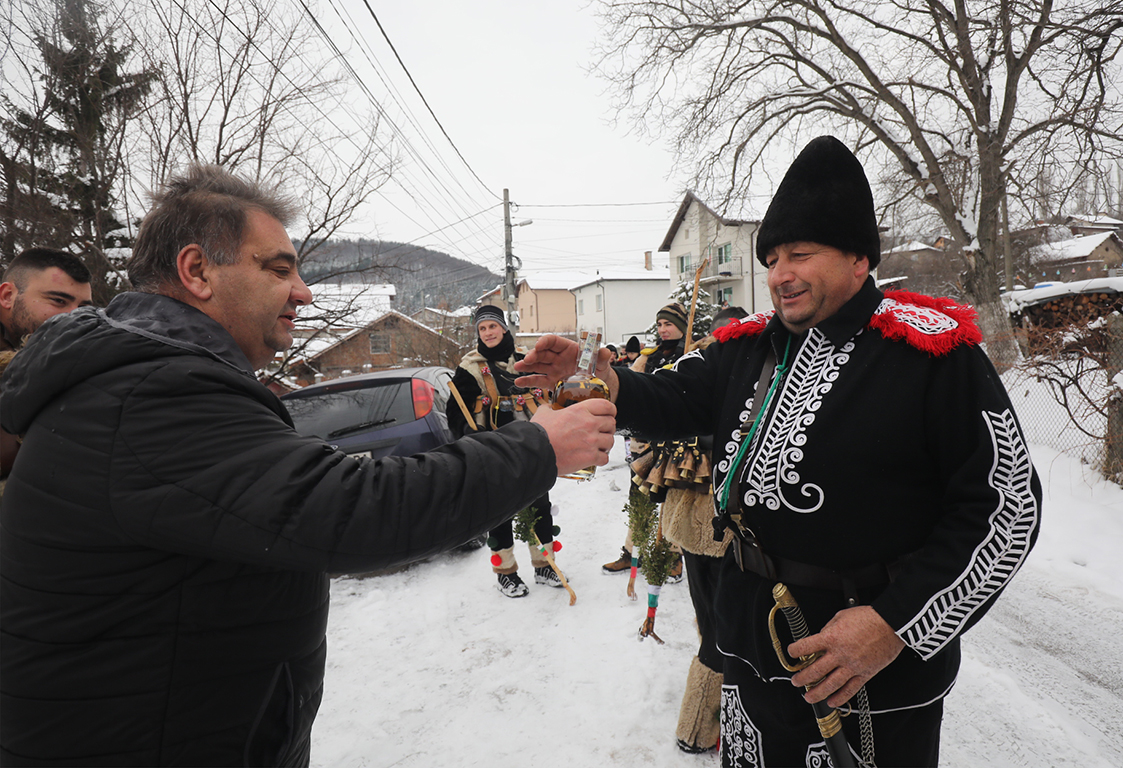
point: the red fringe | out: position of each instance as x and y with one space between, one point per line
938 342
752 325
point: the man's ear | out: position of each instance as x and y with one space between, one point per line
193 265
8 293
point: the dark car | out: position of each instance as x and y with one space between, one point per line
389 413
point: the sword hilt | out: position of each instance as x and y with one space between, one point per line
826 717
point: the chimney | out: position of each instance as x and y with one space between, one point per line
647 260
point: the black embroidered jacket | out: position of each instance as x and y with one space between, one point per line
891 435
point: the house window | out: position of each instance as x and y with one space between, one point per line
580 306
600 302
684 263
725 296
380 343
725 253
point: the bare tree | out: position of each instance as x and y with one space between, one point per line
965 100
247 85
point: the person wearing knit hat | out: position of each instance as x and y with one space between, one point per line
675 314
866 456
670 324
490 312
486 398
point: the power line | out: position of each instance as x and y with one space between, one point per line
419 93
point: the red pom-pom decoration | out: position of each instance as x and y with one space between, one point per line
557 546
496 560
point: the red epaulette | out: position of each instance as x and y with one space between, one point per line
752 325
935 326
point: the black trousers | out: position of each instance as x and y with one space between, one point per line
503 536
769 724
702 577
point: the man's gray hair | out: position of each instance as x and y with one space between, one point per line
206 206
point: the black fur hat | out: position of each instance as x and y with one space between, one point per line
824 198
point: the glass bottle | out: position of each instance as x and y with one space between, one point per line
582 385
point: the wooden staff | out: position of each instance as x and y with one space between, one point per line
550 559
694 303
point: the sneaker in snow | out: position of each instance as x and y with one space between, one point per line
621 564
545 575
512 586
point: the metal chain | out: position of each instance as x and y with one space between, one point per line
865 724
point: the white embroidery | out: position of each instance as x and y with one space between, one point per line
740 739
818 756
930 322
771 476
998 557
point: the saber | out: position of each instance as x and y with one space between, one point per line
828 719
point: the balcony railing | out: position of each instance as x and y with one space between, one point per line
728 271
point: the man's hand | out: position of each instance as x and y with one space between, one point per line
856 645
555 358
581 435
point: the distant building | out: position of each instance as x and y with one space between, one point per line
545 304
618 304
455 324
733 275
392 340
1093 224
1079 258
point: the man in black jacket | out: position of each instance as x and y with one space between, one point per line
166 534
866 456
38 284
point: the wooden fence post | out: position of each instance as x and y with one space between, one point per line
1113 440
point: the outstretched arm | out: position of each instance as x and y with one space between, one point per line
555 358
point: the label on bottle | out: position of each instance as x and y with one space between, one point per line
587 362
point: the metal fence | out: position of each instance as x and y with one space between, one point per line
1065 397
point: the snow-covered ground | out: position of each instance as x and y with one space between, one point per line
431 666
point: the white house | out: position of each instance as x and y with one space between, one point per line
733 275
618 304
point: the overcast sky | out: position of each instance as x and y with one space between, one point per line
510 83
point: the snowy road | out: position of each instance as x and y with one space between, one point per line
431 666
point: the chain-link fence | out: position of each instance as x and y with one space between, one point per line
1068 392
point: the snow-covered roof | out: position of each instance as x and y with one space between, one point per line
1039 294
560 281
605 275
351 305
1074 248
326 341
1095 219
680 215
567 281
911 246
462 312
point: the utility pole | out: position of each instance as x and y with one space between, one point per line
510 298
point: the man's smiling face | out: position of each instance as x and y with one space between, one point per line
809 282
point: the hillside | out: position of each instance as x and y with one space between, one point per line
423 277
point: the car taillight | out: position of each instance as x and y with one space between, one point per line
422 398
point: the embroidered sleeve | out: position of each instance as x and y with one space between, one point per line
992 505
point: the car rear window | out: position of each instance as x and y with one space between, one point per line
351 411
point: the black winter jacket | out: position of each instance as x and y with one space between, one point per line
165 537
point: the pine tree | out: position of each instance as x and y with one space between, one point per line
63 155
